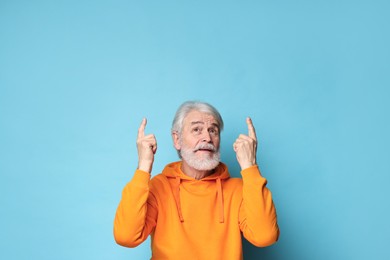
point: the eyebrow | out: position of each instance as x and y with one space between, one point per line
201 122
197 122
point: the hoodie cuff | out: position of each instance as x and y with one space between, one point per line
141 179
252 173
253 168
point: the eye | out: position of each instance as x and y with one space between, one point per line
213 131
196 130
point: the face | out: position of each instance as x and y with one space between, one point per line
199 141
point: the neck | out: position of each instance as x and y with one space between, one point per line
194 173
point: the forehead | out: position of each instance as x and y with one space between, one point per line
194 117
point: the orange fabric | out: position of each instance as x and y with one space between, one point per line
196 219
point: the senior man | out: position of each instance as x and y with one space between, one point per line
193 209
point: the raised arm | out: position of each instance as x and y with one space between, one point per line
257 215
137 212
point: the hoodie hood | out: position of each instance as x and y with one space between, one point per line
175 176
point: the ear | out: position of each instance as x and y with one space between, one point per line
176 140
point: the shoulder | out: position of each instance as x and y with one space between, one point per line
158 179
234 180
159 183
233 184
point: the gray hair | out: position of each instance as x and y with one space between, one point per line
187 107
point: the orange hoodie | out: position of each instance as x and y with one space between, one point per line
196 219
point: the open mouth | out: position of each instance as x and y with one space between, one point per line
209 150
204 150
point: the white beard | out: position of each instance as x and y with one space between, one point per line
203 163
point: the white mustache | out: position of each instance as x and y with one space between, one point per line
205 147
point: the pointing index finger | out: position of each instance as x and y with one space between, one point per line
251 128
141 129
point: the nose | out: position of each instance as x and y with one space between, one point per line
206 137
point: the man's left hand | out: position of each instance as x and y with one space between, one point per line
246 146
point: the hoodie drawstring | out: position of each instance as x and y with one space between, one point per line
176 194
220 200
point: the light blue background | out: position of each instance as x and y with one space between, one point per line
76 78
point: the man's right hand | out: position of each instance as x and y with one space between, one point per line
147 147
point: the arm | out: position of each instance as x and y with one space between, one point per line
137 211
257 216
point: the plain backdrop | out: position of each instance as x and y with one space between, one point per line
77 77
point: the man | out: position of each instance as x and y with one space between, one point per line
193 209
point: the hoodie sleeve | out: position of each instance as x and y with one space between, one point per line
137 212
257 216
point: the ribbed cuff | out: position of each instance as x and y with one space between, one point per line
252 174
141 179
